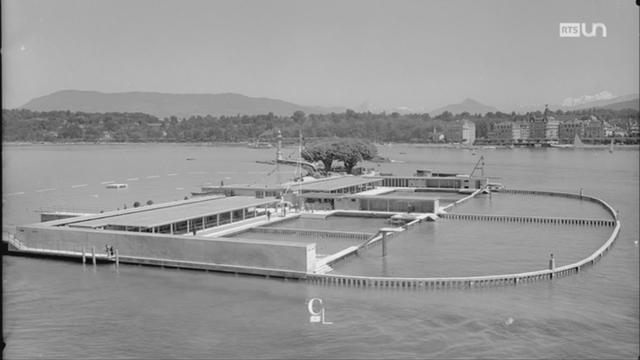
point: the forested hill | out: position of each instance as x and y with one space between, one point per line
67 126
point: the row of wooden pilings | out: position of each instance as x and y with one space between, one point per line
424 283
451 283
315 233
540 192
529 219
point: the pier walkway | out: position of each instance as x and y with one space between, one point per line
17 246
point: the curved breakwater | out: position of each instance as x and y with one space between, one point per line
530 219
489 280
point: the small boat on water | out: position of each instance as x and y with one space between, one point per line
117 186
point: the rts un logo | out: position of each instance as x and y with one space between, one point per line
580 29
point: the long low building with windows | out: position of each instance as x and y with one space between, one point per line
161 234
180 217
452 182
334 185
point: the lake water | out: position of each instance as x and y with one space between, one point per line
62 309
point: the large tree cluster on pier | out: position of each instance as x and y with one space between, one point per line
349 151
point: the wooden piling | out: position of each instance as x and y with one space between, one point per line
384 243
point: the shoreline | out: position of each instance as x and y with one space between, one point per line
245 143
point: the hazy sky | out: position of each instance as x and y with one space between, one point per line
419 54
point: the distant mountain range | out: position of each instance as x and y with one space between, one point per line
184 105
586 102
468 105
629 104
614 103
165 105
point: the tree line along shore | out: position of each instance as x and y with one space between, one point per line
25 126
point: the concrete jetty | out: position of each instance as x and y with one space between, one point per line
140 238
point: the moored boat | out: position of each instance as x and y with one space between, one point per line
117 186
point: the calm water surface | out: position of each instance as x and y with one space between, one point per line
532 205
60 309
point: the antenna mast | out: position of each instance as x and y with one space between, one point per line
299 169
278 156
479 165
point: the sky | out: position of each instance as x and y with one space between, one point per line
382 53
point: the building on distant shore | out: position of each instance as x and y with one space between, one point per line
611 130
634 129
593 128
548 129
567 130
460 131
506 131
543 128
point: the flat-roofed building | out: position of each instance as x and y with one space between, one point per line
338 185
387 203
461 131
255 190
436 182
179 217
